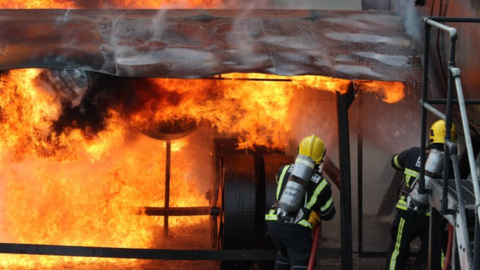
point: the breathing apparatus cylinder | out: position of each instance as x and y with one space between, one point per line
294 190
433 167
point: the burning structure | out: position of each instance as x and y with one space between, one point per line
119 123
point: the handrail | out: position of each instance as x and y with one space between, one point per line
468 140
462 232
432 109
424 103
452 31
448 115
450 147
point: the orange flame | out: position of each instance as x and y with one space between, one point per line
20 4
391 92
131 4
254 111
71 189
323 83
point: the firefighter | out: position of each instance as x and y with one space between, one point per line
413 211
303 198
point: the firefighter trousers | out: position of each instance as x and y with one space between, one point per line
293 243
406 227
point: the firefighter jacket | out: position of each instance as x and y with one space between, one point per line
409 162
317 199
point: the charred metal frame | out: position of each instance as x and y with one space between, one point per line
385 208
138 253
361 252
167 186
343 103
450 147
360 177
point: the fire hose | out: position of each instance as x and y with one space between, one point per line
448 255
313 251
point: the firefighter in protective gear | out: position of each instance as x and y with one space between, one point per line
412 219
290 230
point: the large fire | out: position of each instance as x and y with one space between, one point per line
76 175
74 168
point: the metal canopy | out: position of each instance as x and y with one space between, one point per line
353 45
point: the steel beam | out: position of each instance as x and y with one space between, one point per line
343 103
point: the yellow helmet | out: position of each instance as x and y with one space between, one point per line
312 147
437 132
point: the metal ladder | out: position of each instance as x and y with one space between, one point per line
454 199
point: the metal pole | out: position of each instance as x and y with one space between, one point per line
462 233
167 187
455 101
141 253
448 124
433 110
179 211
345 191
453 19
360 178
426 49
476 247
